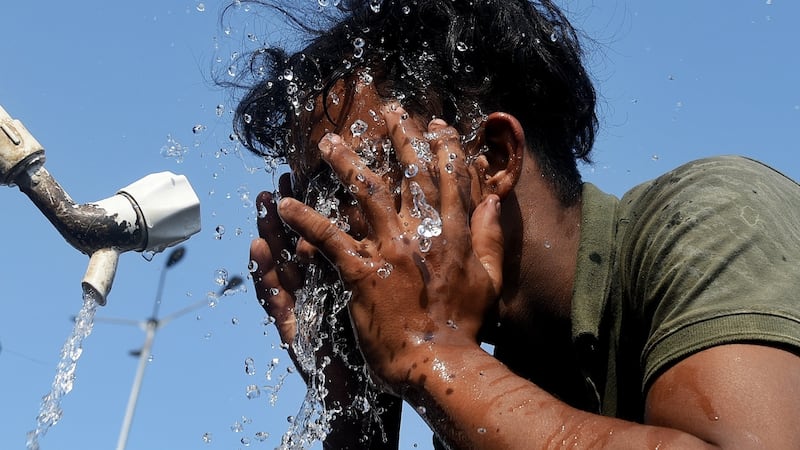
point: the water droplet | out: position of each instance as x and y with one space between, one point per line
555 35
198 128
245 441
249 366
252 391
411 170
261 436
207 438
262 211
430 227
237 427
323 3
367 79
174 149
424 245
461 46
548 244
421 410
274 291
219 232
358 42
452 324
375 5
219 110
288 75
422 149
406 9
290 419
353 189
449 167
358 128
234 321
252 266
201 7
232 70
385 270
221 277
481 430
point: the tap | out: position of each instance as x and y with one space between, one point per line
149 215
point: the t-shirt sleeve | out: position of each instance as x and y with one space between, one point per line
712 257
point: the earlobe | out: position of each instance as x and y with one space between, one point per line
500 161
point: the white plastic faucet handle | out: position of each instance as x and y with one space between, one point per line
169 206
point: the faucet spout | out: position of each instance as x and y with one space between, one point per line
151 214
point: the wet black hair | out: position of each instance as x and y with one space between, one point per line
454 59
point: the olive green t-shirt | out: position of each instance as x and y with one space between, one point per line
704 255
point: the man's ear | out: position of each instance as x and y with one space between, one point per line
500 163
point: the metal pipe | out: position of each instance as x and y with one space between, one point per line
151 214
87 227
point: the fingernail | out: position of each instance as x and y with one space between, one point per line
282 203
495 200
327 142
437 122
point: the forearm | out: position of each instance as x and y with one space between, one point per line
472 400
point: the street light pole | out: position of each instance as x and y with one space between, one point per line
144 356
151 326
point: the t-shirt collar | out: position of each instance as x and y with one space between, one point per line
595 261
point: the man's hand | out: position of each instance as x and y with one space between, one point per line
277 276
406 297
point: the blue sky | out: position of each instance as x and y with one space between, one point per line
105 85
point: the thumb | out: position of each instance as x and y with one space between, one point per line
487 239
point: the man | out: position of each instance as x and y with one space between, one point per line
665 319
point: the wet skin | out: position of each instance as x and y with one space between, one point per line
418 328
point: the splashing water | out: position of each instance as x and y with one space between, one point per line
320 339
431 223
50 412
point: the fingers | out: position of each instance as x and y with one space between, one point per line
276 276
271 229
320 232
277 301
454 186
487 239
413 150
370 190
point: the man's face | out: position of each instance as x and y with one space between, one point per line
352 109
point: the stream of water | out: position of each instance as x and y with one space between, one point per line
50 412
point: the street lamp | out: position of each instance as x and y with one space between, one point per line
150 327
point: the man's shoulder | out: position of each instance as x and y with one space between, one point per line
707 182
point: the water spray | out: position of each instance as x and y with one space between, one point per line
149 215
